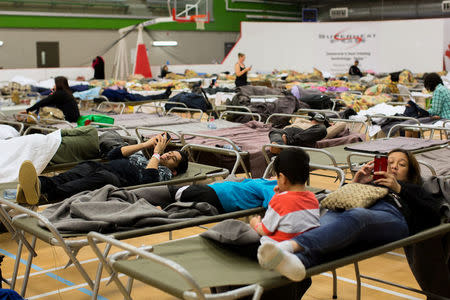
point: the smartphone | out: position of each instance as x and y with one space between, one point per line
380 164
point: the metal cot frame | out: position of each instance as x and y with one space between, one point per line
27 222
194 291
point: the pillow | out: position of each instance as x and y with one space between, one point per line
354 195
7 132
232 232
334 130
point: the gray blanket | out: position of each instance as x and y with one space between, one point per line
384 146
111 209
439 159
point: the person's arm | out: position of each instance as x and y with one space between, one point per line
437 103
256 224
364 174
126 151
238 72
44 102
158 150
269 224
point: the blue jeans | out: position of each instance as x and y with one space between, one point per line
345 232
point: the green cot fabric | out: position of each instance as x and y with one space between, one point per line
208 262
95 118
77 144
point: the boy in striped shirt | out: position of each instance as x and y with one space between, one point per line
293 210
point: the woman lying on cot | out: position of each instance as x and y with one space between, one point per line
406 210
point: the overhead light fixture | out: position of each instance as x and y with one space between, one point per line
165 43
1 43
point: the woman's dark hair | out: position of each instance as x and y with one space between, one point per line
431 81
61 84
240 54
183 164
413 166
294 164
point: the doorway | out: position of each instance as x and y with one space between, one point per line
47 54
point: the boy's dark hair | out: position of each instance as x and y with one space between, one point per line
183 164
294 164
431 81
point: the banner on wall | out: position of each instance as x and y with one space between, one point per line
339 46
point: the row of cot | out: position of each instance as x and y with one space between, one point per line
197 255
263 152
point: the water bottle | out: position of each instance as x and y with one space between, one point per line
211 124
10 194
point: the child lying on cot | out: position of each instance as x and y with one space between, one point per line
292 210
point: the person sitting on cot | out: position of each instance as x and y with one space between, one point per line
127 166
292 210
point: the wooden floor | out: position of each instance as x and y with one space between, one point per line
50 281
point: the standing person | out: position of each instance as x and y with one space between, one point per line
62 99
406 210
241 71
354 70
99 67
440 103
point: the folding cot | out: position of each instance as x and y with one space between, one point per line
27 222
183 267
248 140
16 125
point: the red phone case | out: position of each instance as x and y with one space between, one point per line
380 164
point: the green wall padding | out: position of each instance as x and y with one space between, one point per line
223 20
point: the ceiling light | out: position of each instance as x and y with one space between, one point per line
1 43
164 43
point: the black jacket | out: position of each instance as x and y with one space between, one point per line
354 70
420 209
61 100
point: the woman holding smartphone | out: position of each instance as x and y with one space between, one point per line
407 209
241 71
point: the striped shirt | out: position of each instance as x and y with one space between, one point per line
440 104
290 214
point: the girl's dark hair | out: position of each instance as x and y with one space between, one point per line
61 84
431 81
413 166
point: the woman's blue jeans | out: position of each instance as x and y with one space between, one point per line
349 230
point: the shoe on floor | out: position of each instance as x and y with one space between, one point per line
29 182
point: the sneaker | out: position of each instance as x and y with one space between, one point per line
29 182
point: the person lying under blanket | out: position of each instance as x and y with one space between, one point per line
305 132
127 166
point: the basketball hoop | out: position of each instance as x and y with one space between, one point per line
200 17
199 21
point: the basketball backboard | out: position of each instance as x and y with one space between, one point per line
194 11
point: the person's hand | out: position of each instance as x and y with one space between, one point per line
161 143
364 175
389 181
276 189
151 143
255 221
